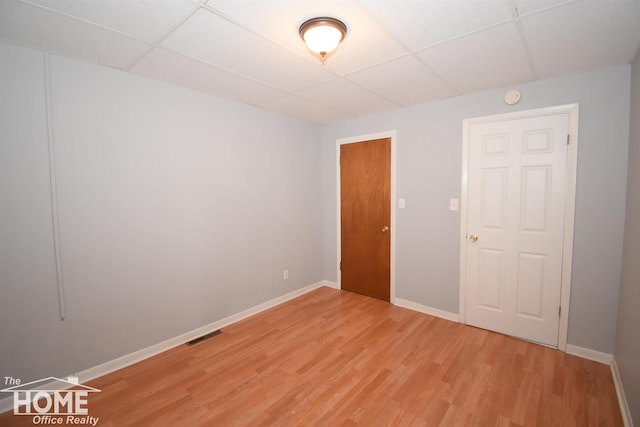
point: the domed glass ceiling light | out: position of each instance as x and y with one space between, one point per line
322 35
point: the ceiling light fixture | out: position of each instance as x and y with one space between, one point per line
323 35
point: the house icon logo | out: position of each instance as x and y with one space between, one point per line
52 400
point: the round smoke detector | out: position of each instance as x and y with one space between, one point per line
512 97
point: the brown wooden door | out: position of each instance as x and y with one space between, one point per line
365 217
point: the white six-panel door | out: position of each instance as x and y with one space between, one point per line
515 214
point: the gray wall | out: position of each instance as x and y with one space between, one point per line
429 174
627 351
176 209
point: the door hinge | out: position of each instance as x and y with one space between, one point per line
559 311
568 139
340 265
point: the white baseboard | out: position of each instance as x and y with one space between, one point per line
412 306
587 353
426 310
622 399
6 404
329 284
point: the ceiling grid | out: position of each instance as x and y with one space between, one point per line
395 54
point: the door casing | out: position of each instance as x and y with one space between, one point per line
349 140
567 252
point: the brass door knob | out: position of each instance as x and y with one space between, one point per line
385 229
473 238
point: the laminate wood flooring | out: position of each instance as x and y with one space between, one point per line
335 358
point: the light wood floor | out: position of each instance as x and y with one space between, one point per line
334 358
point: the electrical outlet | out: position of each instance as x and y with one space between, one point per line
285 274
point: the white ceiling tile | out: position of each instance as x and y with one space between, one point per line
421 24
485 60
404 81
210 38
33 26
250 50
147 20
284 17
365 44
583 35
527 7
304 109
182 71
346 96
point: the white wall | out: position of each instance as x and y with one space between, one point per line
429 174
627 350
176 209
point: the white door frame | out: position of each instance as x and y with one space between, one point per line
569 213
388 134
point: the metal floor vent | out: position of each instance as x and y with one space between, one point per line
204 337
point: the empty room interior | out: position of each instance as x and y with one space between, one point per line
208 217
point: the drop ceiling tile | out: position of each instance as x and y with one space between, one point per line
217 41
484 60
527 7
304 109
147 20
583 35
57 33
345 96
366 43
422 24
404 81
284 17
250 50
182 71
